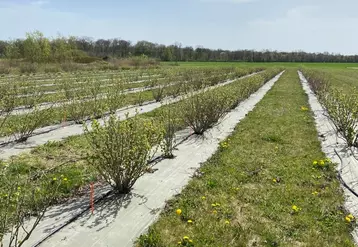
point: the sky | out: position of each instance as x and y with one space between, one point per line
283 25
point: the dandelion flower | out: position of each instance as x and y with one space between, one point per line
227 222
295 208
54 179
274 180
349 218
190 221
315 162
203 197
321 162
178 211
65 179
190 241
303 108
314 193
186 238
213 205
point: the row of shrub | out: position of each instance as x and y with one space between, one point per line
341 107
95 106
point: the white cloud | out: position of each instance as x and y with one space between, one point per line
40 2
309 28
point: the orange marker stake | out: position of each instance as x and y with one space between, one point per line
92 197
64 119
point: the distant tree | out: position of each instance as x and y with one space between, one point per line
168 54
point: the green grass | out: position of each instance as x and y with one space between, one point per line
267 65
235 200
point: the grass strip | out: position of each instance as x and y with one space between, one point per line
261 187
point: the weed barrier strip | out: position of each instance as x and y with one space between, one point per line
336 149
58 132
129 221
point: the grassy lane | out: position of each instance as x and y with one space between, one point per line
261 188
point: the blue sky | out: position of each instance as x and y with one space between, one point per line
284 25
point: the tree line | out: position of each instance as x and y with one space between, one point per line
37 48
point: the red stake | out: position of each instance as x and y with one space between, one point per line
92 197
64 119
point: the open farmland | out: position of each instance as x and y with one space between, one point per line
200 154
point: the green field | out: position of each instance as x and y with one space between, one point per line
259 189
273 64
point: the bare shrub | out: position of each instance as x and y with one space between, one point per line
28 68
115 96
23 203
169 121
8 97
25 127
120 150
343 111
202 111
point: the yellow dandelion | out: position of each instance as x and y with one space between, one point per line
321 162
315 162
274 180
314 193
227 222
203 197
190 241
54 179
178 211
65 179
295 208
190 221
349 220
303 108
186 238
350 216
